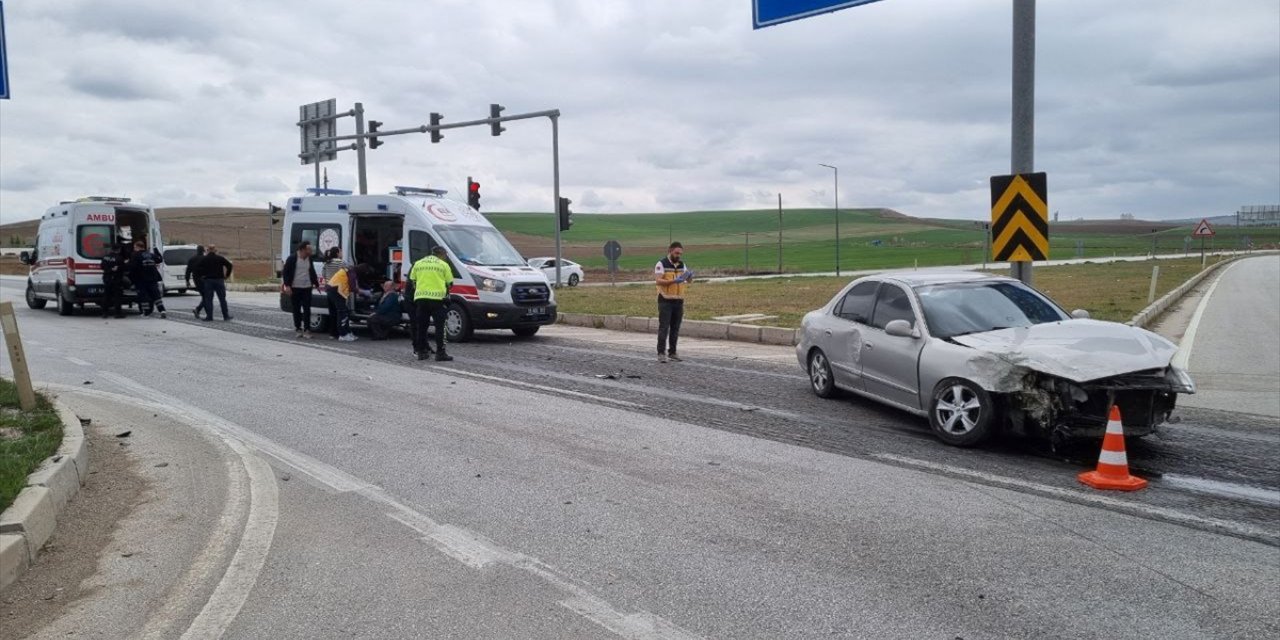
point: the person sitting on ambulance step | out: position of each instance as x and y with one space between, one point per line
432 276
113 267
144 271
387 315
214 271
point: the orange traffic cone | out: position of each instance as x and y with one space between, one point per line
1113 464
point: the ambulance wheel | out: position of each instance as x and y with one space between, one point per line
525 332
319 323
182 292
457 323
32 300
64 308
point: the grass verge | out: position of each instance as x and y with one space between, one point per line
1110 291
26 439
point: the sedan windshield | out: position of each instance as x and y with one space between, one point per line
974 307
480 246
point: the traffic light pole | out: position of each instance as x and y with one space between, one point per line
555 177
360 145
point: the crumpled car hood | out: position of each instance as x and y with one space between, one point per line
1078 350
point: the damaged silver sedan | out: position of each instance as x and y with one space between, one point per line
980 354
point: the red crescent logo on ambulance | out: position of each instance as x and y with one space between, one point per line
441 213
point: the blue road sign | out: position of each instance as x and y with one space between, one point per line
766 13
4 60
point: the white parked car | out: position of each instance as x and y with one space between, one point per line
570 272
175 267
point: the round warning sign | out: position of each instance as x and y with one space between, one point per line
328 240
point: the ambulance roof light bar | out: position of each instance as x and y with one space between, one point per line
401 191
103 199
328 192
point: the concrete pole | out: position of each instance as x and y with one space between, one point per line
360 160
1022 151
555 173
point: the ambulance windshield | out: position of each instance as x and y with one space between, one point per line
480 246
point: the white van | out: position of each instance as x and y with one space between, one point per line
493 288
175 267
73 236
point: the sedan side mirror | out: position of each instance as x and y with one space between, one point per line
24 257
900 329
1080 314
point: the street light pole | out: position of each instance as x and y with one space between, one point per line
836 171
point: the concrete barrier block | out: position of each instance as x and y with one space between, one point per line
576 319
744 332
777 335
14 558
705 329
32 514
58 477
640 324
615 323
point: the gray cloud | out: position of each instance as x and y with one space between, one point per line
1161 106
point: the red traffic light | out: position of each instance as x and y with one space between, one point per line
475 186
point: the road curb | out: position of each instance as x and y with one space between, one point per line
708 329
29 522
1148 315
258 288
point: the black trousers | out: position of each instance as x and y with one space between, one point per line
300 299
427 313
149 294
670 316
111 292
212 287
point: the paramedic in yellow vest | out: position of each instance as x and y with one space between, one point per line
431 278
673 278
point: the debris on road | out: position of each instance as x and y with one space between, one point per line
162 465
124 434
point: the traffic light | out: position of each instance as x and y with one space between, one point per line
566 216
495 111
374 142
435 122
473 194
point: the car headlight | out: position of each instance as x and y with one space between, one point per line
1179 380
495 286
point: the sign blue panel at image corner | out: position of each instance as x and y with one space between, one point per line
766 13
4 60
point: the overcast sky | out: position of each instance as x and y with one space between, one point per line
1160 108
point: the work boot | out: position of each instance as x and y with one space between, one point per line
673 357
443 357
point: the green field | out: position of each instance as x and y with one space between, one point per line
716 241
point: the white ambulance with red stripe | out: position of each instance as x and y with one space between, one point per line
73 236
493 287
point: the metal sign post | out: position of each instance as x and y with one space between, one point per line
1022 149
17 358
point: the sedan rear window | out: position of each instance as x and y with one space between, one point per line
975 307
857 304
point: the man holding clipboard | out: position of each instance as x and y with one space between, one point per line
672 278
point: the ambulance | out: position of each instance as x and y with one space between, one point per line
493 286
73 236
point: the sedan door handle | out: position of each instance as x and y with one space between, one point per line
870 346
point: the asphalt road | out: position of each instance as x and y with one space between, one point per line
1234 353
515 493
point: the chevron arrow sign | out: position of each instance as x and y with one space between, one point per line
1020 217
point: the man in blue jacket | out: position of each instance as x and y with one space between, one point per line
144 271
388 315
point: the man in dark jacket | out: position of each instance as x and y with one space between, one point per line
112 282
214 271
299 280
144 271
191 274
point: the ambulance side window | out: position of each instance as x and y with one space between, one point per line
321 237
420 245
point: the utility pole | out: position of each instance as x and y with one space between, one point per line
836 170
360 145
1022 149
779 233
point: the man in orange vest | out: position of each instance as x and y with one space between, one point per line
672 278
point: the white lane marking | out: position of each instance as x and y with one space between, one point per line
183 596
1080 497
1182 358
463 545
251 554
78 361
530 385
1219 488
